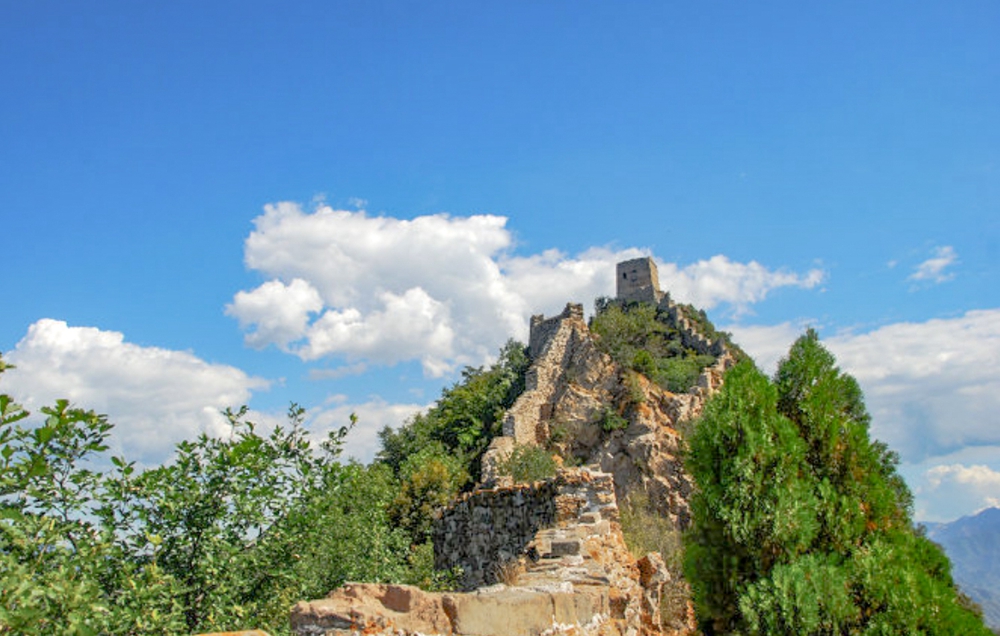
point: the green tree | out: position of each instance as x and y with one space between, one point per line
465 418
801 523
61 570
753 507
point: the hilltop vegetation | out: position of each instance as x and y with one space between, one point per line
638 337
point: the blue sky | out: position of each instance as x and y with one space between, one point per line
342 204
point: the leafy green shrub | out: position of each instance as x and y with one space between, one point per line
466 416
423 575
610 420
226 536
634 393
637 337
680 374
429 480
528 463
558 432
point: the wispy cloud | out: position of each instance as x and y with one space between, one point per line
933 269
977 486
338 372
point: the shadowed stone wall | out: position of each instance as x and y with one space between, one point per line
486 529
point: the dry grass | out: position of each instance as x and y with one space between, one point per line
508 572
646 531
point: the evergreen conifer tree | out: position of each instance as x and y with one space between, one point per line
801 523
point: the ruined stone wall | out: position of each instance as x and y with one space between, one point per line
574 577
691 338
487 529
548 351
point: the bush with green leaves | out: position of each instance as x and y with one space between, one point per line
610 420
232 531
801 524
636 335
228 535
528 463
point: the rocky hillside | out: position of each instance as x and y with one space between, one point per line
586 407
550 557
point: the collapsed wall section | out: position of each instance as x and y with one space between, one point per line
574 575
485 530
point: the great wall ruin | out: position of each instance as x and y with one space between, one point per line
549 557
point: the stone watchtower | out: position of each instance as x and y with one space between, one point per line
638 280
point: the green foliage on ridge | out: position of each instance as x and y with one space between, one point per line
232 531
528 463
801 524
637 336
466 417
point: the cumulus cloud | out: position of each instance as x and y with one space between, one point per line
155 397
932 387
278 313
430 288
933 269
443 290
708 283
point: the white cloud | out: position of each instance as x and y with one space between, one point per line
375 414
966 489
717 280
980 477
155 397
278 313
933 268
443 290
932 387
338 372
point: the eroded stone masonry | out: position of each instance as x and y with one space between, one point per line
549 558
557 550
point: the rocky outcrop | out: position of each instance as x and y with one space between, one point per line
574 575
549 558
572 390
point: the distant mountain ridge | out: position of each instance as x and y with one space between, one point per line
973 545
